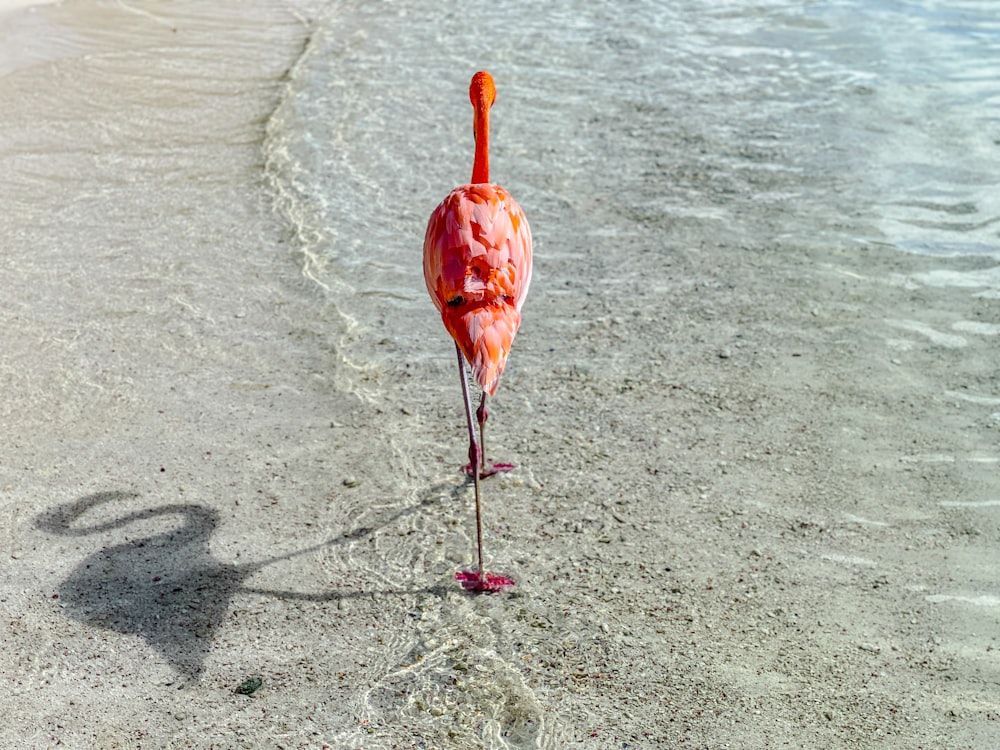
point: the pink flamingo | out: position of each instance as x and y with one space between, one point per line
477 266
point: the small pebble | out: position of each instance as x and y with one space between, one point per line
249 686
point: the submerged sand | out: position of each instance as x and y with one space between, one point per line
759 506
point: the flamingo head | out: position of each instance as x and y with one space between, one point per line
482 92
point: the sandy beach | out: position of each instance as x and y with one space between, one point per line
756 502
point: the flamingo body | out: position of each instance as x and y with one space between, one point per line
477 267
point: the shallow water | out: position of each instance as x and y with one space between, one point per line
929 130
774 125
855 122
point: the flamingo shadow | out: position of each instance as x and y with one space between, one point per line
167 588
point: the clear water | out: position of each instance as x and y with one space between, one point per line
931 134
851 121
625 132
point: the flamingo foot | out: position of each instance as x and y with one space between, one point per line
472 580
488 469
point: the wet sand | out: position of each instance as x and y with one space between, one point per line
755 502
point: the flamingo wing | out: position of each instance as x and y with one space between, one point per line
477 267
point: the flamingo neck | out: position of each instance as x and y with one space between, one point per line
481 166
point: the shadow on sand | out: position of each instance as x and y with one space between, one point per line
167 588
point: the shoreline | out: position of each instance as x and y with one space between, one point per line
752 504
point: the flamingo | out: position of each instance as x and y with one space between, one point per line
477 266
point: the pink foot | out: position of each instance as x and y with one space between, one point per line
488 470
489 582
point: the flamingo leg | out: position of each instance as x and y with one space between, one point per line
475 457
487 468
